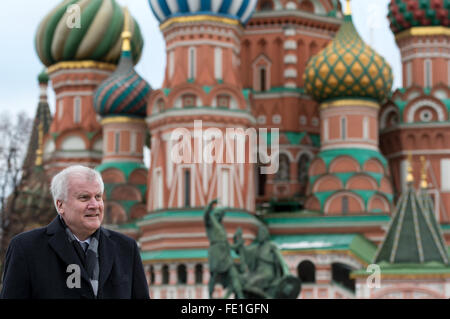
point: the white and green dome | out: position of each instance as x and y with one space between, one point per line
94 36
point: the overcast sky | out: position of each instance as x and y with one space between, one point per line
20 65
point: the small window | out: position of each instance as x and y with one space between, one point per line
428 73
191 64
223 100
117 142
165 275
152 275
408 74
303 164
181 274
262 79
283 173
61 109
340 274
189 100
187 188
160 105
77 110
198 274
306 271
344 204
266 5
343 128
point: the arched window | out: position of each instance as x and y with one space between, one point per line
189 100
408 74
198 274
152 275
191 64
187 188
340 274
266 5
283 173
428 73
307 5
343 128
260 181
262 79
306 271
165 275
303 164
344 204
77 110
223 100
181 274
117 142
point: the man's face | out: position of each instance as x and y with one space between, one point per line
83 209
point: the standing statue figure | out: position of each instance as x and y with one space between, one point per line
221 266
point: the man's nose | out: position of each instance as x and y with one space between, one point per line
93 203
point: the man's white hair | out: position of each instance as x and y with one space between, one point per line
60 182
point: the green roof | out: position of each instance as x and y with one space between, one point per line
355 243
177 254
189 212
334 221
413 235
294 138
126 167
408 269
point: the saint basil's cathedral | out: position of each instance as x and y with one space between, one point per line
363 178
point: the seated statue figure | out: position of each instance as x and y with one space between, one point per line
267 274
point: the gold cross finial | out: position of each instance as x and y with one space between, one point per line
38 161
126 34
410 177
348 9
423 182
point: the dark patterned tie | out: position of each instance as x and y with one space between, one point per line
85 246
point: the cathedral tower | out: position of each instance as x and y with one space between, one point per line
79 41
349 79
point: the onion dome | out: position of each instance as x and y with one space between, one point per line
43 77
124 92
235 9
347 68
404 14
85 30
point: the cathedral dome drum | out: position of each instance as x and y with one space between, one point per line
85 30
404 14
235 9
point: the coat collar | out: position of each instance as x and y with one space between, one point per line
60 244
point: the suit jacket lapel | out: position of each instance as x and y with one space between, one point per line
106 256
60 244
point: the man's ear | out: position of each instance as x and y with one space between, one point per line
59 205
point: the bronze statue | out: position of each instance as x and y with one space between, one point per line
261 271
221 266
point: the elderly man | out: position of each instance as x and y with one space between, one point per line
74 257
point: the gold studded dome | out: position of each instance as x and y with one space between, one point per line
347 68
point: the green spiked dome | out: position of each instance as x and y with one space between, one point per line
43 77
125 92
404 14
348 68
95 35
